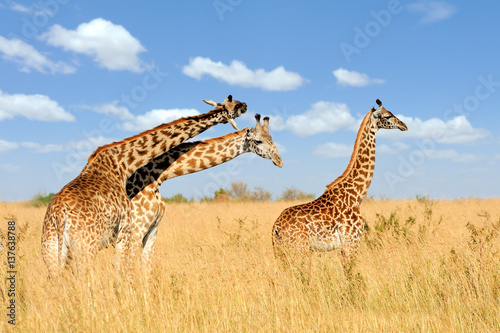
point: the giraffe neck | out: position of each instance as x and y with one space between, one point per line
189 157
357 177
121 159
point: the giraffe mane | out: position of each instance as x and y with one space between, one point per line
118 143
354 153
222 138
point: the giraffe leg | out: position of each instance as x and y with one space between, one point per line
148 250
349 254
289 247
149 237
350 246
123 243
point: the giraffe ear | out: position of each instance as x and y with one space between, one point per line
210 102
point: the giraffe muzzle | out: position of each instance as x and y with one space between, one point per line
402 126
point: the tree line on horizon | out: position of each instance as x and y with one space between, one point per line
237 191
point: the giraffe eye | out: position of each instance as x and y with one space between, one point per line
258 142
387 116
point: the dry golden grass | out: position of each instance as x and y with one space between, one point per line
215 271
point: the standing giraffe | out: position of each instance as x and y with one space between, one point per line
94 207
333 220
142 187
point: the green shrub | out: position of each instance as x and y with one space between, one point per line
177 198
41 199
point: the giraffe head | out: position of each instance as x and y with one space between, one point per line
385 119
259 141
233 107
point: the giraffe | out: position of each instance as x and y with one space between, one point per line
94 207
333 220
148 206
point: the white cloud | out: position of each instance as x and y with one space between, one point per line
281 148
6 145
142 122
330 117
88 144
355 79
38 148
237 73
156 117
29 58
322 117
433 11
333 150
9 167
391 149
385 149
32 107
81 149
110 45
36 9
400 146
17 7
455 131
112 109
276 123
454 156
84 147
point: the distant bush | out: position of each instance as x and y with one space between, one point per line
177 198
221 195
294 194
239 191
41 199
260 194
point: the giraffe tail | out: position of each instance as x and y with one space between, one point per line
276 238
65 242
55 241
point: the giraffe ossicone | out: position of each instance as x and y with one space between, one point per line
333 220
94 207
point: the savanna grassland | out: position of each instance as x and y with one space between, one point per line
430 266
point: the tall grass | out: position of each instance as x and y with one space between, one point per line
423 266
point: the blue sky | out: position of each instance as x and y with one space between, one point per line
76 75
